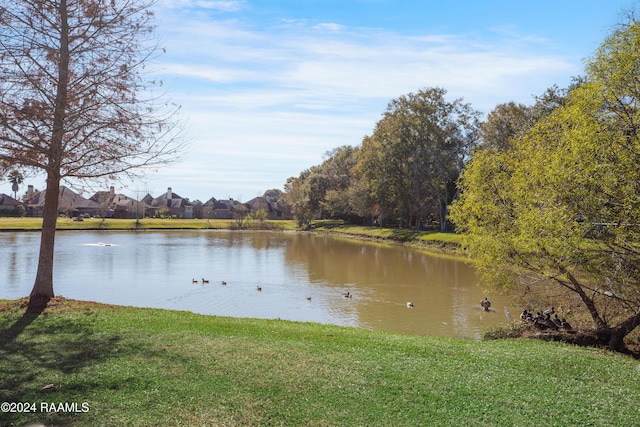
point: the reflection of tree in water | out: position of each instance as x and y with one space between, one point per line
341 261
384 277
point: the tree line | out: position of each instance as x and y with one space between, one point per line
547 196
401 174
406 172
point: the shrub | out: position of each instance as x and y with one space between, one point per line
508 330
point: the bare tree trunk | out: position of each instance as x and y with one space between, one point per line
442 213
42 290
588 302
418 223
616 336
613 338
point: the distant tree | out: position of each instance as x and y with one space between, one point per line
504 123
298 197
416 153
337 172
261 216
510 120
240 212
361 203
15 178
75 101
563 205
272 195
381 180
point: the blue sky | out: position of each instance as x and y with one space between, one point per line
267 87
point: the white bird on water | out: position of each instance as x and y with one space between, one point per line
506 313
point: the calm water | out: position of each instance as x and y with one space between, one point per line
156 269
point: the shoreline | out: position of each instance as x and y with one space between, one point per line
431 241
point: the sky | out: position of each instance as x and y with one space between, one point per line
268 87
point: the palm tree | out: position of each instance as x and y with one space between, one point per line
16 178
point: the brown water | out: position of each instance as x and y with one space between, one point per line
156 269
383 278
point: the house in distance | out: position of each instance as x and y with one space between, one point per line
109 204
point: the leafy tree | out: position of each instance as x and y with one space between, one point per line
510 120
75 102
546 103
416 153
359 198
322 189
317 184
504 123
564 204
337 172
297 196
381 179
261 216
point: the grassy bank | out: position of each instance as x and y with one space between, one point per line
142 367
446 242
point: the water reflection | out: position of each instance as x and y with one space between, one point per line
383 278
156 269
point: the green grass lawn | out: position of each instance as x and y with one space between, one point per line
149 367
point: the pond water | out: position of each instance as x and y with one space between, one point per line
302 277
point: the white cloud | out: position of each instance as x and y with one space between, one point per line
359 64
265 102
219 5
328 26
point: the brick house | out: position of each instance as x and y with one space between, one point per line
169 204
70 203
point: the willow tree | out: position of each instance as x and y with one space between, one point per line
76 101
563 204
